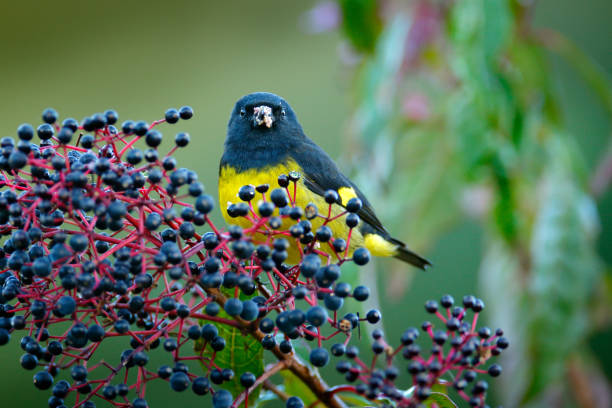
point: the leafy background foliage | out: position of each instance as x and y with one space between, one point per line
471 124
478 132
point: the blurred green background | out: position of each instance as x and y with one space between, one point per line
141 58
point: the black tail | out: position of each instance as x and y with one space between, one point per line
406 255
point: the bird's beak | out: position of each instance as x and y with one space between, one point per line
262 115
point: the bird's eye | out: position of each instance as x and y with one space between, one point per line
283 113
242 113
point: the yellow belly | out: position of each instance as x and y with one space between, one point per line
230 182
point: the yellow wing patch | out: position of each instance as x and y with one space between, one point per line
231 180
379 246
346 193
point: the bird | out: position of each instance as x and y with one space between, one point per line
264 140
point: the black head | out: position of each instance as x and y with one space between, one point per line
262 116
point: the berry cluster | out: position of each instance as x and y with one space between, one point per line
102 243
458 351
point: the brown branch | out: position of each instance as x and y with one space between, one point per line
291 361
269 372
269 385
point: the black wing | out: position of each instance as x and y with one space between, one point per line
322 174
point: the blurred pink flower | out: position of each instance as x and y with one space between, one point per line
425 27
416 107
323 17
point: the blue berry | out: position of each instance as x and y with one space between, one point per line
139 403
431 306
122 326
140 358
265 208
194 332
323 234
209 332
319 357
42 267
109 392
284 323
122 389
246 192
268 342
331 197
49 115
95 333
172 116
28 361
233 307
170 344
218 343
186 112
373 316
153 138
54 348
495 370
65 306
168 304
299 292
316 316
79 373
447 301
55 402
342 289
333 302
266 325
164 372
43 380
61 389
294 402
247 379
5 337
354 205
222 399
204 204
285 346
361 293
338 349
25 132
279 197
250 310
216 376
502 343
310 265
45 131
179 381
64 135
200 386
361 256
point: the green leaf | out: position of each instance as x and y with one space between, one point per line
361 23
439 397
354 400
441 400
295 387
378 73
564 270
503 293
242 353
496 26
266 398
